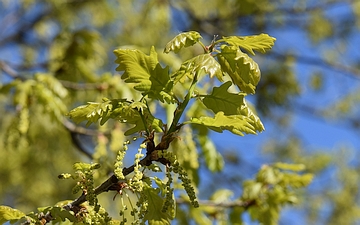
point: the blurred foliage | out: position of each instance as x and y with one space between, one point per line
56 55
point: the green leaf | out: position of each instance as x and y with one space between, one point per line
85 166
221 195
213 159
94 111
59 214
292 167
146 73
237 124
119 109
231 104
247 111
204 62
261 42
52 84
251 190
297 180
9 214
131 116
221 100
242 69
185 39
155 215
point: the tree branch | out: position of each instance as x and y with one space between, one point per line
110 182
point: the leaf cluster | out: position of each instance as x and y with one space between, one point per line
222 58
217 108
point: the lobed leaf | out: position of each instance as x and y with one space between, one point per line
59 214
146 73
8 214
221 100
185 39
236 124
155 215
261 42
243 70
231 104
118 109
247 111
94 111
204 62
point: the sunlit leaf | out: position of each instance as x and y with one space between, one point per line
243 70
185 39
236 124
296 180
145 72
118 109
94 111
261 42
288 166
85 166
204 62
9 214
251 190
222 195
246 110
221 100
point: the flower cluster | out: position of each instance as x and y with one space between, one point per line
183 176
118 171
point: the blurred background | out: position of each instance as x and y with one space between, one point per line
56 55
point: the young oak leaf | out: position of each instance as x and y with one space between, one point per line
8 214
231 104
243 70
146 73
155 215
204 62
118 109
237 124
261 42
137 114
248 111
221 100
185 39
92 111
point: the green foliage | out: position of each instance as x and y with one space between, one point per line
10 214
182 40
58 57
261 42
155 215
237 124
178 90
119 109
244 72
145 72
156 84
272 189
201 63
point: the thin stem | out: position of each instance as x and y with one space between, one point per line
181 108
204 47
